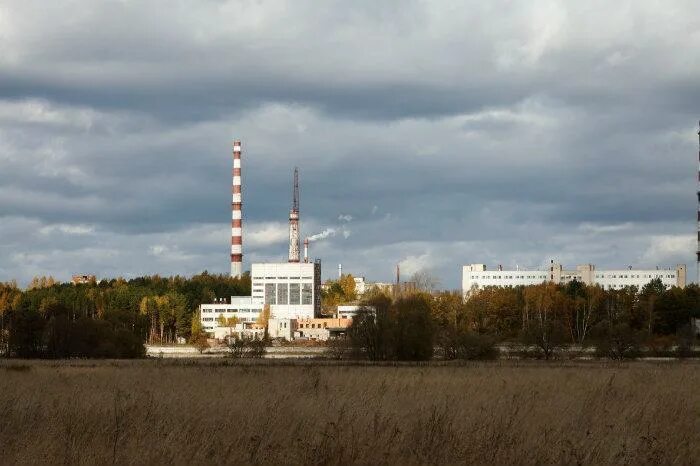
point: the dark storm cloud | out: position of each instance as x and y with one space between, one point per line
450 133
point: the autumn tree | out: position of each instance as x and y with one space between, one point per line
544 328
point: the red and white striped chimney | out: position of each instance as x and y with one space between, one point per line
236 214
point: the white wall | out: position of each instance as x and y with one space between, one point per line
281 281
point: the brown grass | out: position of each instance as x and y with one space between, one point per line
216 412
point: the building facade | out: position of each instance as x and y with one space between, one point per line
292 290
245 309
321 329
476 276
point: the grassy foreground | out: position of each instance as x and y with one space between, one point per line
216 412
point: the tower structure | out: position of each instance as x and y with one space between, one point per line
294 221
698 248
236 214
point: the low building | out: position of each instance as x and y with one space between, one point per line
476 276
348 311
281 328
245 309
321 329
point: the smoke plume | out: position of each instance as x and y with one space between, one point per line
323 235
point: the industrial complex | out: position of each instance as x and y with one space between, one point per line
288 292
286 296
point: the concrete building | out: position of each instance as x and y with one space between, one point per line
321 329
349 311
245 308
293 290
281 328
475 276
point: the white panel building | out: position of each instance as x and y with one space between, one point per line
245 308
476 276
292 289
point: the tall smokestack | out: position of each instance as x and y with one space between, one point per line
698 249
340 271
236 214
294 221
306 250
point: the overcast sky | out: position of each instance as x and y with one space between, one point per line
430 134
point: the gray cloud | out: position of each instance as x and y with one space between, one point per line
450 133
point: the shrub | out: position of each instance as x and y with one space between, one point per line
244 346
619 342
463 344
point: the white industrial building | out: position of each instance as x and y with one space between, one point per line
244 308
292 290
476 276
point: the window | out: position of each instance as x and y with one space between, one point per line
294 297
306 294
270 297
282 295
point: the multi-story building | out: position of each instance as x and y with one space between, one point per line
245 309
291 289
475 276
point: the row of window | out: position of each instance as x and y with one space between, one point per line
636 276
509 277
227 311
288 293
313 325
283 278
543 277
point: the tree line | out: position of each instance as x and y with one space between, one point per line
540 320
110 318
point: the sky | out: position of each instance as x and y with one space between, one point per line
427 134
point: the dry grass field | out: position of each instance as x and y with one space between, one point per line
219 412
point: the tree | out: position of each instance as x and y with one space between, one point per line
264 318
347 286
149 308
650 294
584 311
227 322
424 281
198 337
544 328
413 328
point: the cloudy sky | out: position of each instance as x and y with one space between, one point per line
427 134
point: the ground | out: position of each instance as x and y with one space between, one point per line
308 412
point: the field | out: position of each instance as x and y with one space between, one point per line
273 412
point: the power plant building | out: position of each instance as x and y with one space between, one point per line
293 290
476 276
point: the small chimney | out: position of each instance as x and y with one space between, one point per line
306 250
340 270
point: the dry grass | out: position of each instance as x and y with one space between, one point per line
211 412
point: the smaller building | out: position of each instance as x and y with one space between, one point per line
245 310
321 329
349 311
281 328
